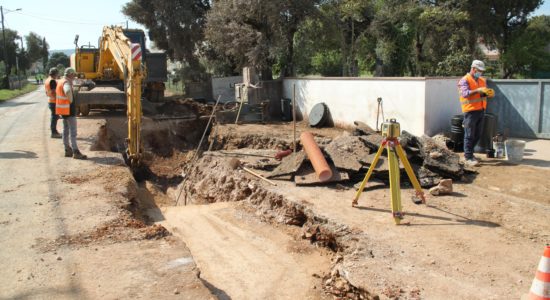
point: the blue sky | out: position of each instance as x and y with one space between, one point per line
60 20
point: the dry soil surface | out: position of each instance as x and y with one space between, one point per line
483 241
246 258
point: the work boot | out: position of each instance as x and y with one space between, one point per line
471 162
78 155
56 135
68 152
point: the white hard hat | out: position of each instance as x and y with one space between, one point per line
69 71
478 64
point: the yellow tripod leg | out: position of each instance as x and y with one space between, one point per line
410 173
369 172
395 186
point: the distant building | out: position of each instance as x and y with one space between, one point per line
489 53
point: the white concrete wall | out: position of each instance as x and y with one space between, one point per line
351 99
441 104
225 86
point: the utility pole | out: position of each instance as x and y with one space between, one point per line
22 51
6 80
5 49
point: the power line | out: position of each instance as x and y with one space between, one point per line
61 21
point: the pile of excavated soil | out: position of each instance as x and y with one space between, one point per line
276 136
177 106
122 229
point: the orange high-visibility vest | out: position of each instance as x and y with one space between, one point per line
473 101
49 91
62 103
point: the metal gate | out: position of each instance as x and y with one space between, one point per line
522 107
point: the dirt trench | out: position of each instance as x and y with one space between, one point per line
169 146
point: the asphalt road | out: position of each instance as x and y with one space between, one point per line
46 198
28 197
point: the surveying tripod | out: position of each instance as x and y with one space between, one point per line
391 131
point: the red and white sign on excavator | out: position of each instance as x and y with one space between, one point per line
136 51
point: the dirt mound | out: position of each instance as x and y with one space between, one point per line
122 229
213 180
183 106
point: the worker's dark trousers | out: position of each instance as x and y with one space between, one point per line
473 125
54 118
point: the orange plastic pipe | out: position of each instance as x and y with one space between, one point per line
316 157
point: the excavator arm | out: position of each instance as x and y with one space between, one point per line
119 58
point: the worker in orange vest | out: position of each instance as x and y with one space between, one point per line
473 100
50 85
65 106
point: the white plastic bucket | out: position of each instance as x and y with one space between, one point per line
514 150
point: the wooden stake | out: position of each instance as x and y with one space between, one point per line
259 176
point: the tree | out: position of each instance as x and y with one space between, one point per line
174 26
37 49
56 59
339 26
500 20
45 53
24 63
34 46
443 45
11 48
257 33
528 54
240 30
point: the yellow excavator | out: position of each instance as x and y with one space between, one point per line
113 75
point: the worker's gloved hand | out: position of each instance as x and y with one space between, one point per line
490 93
486 92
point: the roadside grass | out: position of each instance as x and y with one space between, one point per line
10 94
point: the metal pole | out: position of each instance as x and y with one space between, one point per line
294 118
17 69
4 41
22 51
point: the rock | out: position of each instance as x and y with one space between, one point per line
441 140
59 258
445 187
176 291
289 165
426 177
434 191
445 163
409 142
347 152
435 154
372 141
362 129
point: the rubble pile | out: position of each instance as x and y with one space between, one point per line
352 154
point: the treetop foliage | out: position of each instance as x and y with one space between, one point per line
347 37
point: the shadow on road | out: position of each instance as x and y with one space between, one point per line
455 220
13 103
110 161
18 154
220 294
